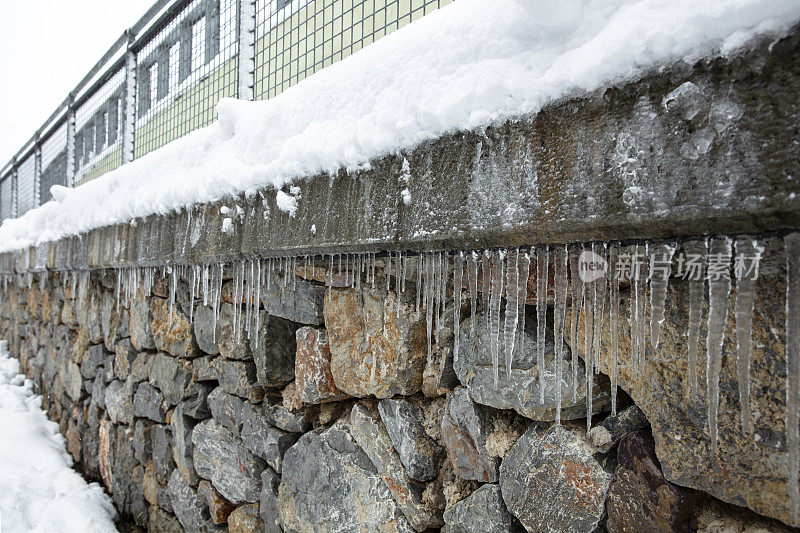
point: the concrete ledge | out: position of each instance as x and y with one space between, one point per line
705 149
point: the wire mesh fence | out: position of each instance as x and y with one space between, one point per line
164 77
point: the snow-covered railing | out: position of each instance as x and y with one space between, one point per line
164 76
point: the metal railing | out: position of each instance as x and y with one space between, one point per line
164 76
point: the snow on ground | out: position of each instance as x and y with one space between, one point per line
468 65
39 491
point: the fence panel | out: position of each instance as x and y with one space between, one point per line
25 185
6 196
54 161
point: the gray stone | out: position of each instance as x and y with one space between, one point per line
140 324
245 519
232 344
226 409
70 376
268 502
419 453
273 350
204 329
328 482
99 391
124 355
551 481
220 456
140 369
187 505
613 428
94 359
195 403
465 426
161 521
264 440
234 377
287 420
182 426
520 391
162 458
114 321
171 375
483 511
148 402
119 401
300 301
142 443
369 433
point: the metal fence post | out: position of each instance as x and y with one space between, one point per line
247 48
129 97
37 171
14 189
70 181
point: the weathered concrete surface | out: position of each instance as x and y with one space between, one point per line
622 162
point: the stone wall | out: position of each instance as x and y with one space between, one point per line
335 415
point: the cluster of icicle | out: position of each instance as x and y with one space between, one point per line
503 275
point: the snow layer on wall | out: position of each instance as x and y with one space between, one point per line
465 66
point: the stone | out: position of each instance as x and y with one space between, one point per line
329 482
439 376
113 321
106 436
613 428
226 409
182 426
749 470
161 521
94 359
119 401
195 403
162 456
520 391
264 440
245 519
374 353
274 348
171 376
74 446
231 346
138 505
140 324
234 377
268 502
148 402
70 376
640 498
172 332
91 443
483 511
220 456
551 481
140 369
715 516
300 301
218 507
206 331
419 453
369 433
99 391
150 483
142 443
124 355
312 371
465 426
287 420
189 508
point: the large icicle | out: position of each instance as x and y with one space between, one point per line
457 287
600 287
512 308
748 255
496 294
560 259
541 314
578 288
472 280
660 270
524 274
614 323
792 245
695 256
719 287
485 286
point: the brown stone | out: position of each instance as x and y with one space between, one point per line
312 367
150 483
105 452
74 443
245 519
172 331
218 507
640 499
372 351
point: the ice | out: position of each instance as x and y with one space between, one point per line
472 280
485 287
660 270
512 308
578 290
614 324
524 273
696 250
748 253
496 294
541 314
719 287
599 249
792 245
428 303
561 281
457 287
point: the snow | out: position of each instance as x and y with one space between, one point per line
463 67
39 491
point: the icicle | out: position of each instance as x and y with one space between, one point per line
472 281
388 270
589 307
748 255
695 252
599 249
403 278
577 302
614 323
420 289
512 308
485 286
173 285
719 287
118 289
258 300
457 287
191 301
330 278
660 270
495 295
524 273
560 259
542 260
792 245
397 282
